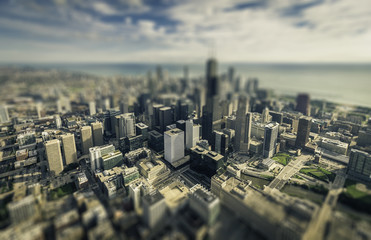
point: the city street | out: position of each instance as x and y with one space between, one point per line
288 171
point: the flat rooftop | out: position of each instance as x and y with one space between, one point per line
153 197
174 131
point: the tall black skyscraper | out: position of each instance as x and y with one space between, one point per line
303 132
210 111
303 104
212 78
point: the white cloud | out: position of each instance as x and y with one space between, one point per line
104 8
333 31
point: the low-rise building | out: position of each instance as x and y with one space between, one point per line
334 146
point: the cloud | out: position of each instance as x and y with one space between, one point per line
133 30
104 8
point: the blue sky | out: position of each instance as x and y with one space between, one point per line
184 31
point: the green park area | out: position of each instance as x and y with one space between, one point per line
319 173
62 191
282 158
356 196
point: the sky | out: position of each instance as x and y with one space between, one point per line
185 31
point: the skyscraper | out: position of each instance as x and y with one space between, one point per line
270 139
96 153
154 208
174 145
69 148
54 156
142 129
220 142
166 117
97 130
4 116
86 139
125 125
265 115
302 104
22 209
92 108
243 126
231 74
303 132
192 133
210 111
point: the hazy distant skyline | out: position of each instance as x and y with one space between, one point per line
183 31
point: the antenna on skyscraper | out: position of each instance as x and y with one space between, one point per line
212 49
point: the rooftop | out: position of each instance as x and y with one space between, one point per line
153 197
174 131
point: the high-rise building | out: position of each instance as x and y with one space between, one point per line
125 125
156 114
92 108
220 142
4 115
303 104
54 156
97 129
204 203
211 112
112 159
174 145
22 209
142 129
96 153
166 117
69 148
231 74
265 115
276 116
86 139
156 141
134 193
192 133
154 208
205 161
243 126
58 121
110 120
359 166
303 132
63 105
270 139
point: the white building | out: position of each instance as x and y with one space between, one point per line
125 125
174 145
96 154
22 210
192 133
4 115
135 194
154 208
54 156
92 108
205 203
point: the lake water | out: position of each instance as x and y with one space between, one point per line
341 83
